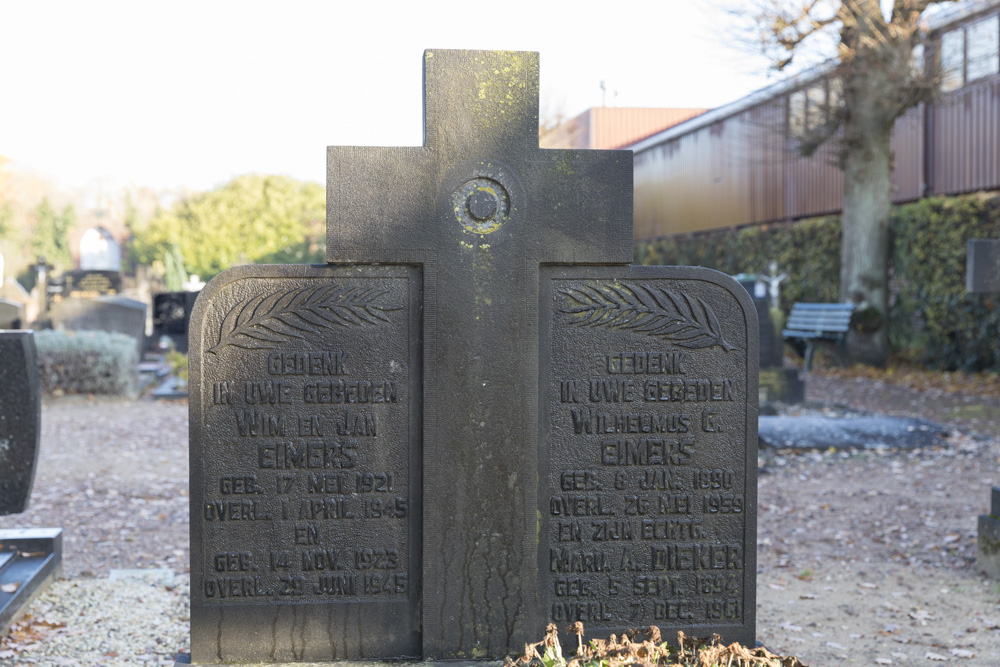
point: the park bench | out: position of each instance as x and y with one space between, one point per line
812 322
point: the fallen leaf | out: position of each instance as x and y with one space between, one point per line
10 588
807 596
865 584
921 615
962 653
884 661
935 656
777 587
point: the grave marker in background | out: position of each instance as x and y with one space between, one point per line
982 266
382 456
172 318
88 284
117 314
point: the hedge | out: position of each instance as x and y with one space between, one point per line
933 321
87 362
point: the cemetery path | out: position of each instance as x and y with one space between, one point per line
113 474
868 557
865 555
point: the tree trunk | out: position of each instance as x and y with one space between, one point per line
865 248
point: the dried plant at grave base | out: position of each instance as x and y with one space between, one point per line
685 321
265 321
648 649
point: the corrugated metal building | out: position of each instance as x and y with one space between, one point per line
736 166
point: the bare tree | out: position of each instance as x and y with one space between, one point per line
878 74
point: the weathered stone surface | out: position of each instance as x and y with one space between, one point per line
480 263
20 419
305 464
453 251
648 452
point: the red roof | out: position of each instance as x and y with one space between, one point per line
614 127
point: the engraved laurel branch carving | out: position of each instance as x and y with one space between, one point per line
266 321
683 320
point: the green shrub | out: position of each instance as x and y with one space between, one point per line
87 362
808 251
178 364
933 322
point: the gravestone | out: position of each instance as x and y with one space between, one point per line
29 558
770 343
85 284
477 418
105 313
982 266
172 317
775 383
11 314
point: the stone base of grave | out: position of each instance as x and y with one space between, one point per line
781 385
30 559
988 544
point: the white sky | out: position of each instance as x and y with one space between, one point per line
177 93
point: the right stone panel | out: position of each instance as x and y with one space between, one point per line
648 451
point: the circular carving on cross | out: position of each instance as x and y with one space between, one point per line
481 204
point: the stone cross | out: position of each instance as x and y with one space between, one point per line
774 284
479 207
477 418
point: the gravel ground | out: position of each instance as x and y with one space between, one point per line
863 557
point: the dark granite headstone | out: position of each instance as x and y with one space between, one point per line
29 559
982 266
11 314
88 284
20 418
106 313
172 317
382 460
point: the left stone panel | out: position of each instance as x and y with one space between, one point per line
305 464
